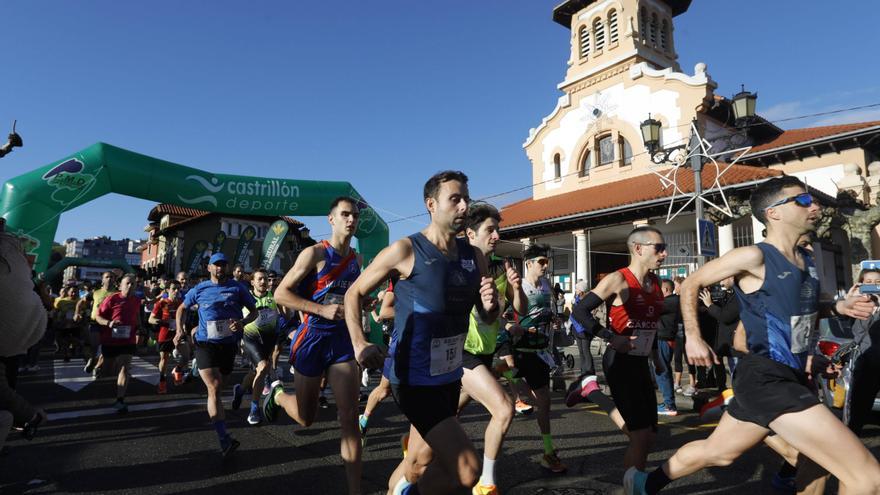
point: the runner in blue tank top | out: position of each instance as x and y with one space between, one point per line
778 292
316 286
441 279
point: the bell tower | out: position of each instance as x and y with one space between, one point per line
607 33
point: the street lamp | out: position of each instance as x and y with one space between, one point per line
651 134
744 104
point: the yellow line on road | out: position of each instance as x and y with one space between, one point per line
594 409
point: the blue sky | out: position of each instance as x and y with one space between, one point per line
382 94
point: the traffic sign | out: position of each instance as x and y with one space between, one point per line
708 241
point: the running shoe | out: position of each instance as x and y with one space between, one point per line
404 444
634 482
120 407
237 395
784 484
96 372
523 408
270 408
177 376
195 369
90 365
482 489
362 426
365 378
163 387
228 445
255 416
322 402
678 389
580 389
551 463
663 410
689 391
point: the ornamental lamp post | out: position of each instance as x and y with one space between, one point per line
651 134
744 104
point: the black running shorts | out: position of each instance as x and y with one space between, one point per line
216 355
112 351
259 347
532 369
426 406
763 390
166 346
471 361
629 378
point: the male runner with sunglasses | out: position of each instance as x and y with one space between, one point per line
637 302
778 290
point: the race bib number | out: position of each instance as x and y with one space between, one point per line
331 298
643 342
121 332
218 329
266 318
446 354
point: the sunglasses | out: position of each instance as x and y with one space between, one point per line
540 261
804 200
658 246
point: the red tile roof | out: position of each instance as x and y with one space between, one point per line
191 214
621 193
795 136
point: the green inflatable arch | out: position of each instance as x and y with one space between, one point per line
56 269
32 203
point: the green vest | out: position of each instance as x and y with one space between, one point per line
481 337
267 321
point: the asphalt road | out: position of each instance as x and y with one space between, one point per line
165 444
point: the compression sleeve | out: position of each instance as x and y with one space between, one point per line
582 312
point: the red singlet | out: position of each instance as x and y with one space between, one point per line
641 310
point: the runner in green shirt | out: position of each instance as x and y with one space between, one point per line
478 382
259 340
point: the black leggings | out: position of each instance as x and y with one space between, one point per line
865 385
679 356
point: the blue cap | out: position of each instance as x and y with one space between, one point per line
218 258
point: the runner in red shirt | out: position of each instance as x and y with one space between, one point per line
119 315
637 302
163 316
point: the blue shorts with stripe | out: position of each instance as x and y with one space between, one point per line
312 351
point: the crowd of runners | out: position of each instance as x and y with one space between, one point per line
463 324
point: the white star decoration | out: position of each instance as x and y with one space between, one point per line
598 113
670 177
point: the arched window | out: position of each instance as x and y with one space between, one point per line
584 41
586 164
557 166
606 150
626 151
612 27
599 34
653 30
643 25
664 34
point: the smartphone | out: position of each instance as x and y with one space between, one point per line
871 265
869 289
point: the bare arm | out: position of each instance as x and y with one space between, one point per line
396 259
386 312
490 307
286 293
515 293
741 262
